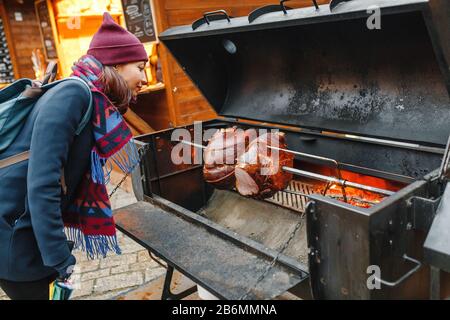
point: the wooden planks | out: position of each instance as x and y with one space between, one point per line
152 108
24 35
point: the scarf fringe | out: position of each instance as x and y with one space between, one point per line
96 246
126 159
97 173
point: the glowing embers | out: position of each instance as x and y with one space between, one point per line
355 197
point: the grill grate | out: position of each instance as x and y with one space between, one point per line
292 201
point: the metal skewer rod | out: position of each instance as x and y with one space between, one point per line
341 182
274 148
192 144
316 176
331 196
307 155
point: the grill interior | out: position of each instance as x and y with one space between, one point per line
267 222
271 221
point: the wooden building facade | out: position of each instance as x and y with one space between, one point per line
62 30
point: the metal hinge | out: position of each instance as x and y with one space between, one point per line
422 212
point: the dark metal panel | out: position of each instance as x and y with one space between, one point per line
186 189
392 235
337 76
303 16
338 239
225 269
438 21
345 241
343 77
423 212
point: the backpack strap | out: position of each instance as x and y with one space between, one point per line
87 116
63 182
25 156
34 92
20 157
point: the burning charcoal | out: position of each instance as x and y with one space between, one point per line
355 197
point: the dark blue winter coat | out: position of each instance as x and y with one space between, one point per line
33 245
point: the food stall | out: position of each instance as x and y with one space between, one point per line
20 37
67 27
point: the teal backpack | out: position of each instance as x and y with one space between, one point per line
18 99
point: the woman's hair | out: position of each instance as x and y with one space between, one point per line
116 88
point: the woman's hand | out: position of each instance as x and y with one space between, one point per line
36 84
65 269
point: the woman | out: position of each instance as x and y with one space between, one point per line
38 203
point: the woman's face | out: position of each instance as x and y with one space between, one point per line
134 75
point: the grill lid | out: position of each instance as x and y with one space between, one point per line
326 70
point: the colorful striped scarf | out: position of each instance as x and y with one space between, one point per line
88 220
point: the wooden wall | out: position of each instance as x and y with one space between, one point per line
185 103
24 35
76 22
152 108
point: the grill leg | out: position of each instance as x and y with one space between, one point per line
435 283
167 293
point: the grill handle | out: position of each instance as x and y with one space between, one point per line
315 4
405 276
255 14
211 16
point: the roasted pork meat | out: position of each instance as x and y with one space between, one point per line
258 171
220 156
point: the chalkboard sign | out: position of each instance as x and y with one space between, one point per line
139 20
45 27
6 67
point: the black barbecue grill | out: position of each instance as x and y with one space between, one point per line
368 107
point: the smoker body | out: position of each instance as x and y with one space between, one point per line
374 101
341 241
